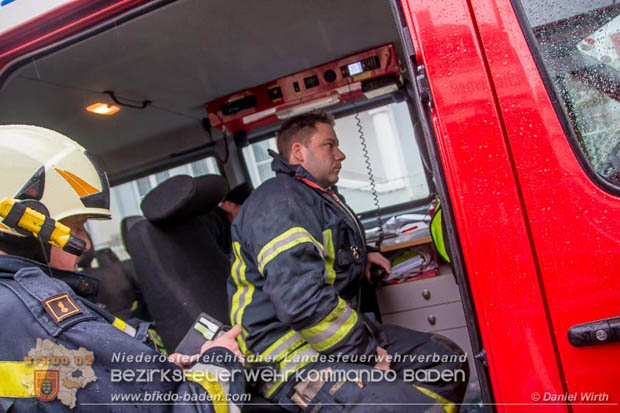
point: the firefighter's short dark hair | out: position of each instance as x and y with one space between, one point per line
299 129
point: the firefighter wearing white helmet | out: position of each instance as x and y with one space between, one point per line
46 172
57 348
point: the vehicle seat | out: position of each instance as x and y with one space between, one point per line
126 224
117 290
180 270
139 308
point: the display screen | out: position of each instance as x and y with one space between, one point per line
355 68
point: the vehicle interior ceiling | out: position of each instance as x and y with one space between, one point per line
178 57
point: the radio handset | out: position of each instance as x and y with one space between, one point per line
20 217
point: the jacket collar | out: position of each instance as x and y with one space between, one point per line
280 166
83 285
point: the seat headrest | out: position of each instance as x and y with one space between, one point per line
182 197
126 224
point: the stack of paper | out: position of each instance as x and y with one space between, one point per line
415 265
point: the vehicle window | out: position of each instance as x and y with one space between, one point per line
394 159
125 201
258 160
579 43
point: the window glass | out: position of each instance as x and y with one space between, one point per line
580 47
391 146
125 201
258 160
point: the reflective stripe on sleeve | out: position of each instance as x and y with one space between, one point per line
13 378
241 340
213 387
291 363
332 329
124 327
207 376
245 290
284 242
330 256
281 347
242 297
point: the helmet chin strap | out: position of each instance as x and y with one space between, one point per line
46 257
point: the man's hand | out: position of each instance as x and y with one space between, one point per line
227 340
182 360
382 356
378 259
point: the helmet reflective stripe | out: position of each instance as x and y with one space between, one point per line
80 186
47 166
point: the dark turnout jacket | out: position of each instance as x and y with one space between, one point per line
60 352
299 255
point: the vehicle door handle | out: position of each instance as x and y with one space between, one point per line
595 332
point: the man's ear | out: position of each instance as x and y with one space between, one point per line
298 153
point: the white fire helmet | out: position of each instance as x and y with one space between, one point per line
50 173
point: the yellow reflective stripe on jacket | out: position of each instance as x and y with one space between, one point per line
293 362
245 290
13 375
124 327
282 346
447 405
333 328
234 270
330 256
284 242
241 340
213 387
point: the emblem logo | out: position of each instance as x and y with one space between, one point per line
46 384
58 373
61 306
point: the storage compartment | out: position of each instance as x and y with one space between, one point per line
433 305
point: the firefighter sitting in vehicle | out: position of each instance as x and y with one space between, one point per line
299 258
58 350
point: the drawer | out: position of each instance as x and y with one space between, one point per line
411 295
461 337
446 316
